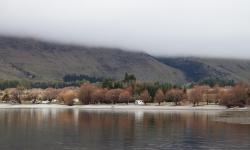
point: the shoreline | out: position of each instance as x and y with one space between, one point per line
119 107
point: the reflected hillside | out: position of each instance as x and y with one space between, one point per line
134 129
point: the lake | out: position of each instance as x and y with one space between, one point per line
76 129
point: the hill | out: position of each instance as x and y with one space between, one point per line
23 58
196 69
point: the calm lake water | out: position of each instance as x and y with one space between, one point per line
68 129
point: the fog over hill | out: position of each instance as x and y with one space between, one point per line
22 58
212 28
31 59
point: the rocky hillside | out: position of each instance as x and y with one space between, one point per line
43 61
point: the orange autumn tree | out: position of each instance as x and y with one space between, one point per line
98 96
159 96
112 96
50 94
237 96
125 97
85 93
145 96
68 97
175 95
15 94
196 95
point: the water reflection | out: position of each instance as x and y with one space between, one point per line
54 129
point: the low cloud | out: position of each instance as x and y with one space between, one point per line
159 27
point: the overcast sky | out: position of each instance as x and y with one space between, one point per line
159 27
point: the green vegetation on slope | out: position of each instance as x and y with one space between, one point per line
198 69
29 59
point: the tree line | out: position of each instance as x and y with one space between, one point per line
127 91
81 77
4 84
87 93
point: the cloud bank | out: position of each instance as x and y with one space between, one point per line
159 27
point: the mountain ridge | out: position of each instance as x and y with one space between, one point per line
25 58
196 69
36 60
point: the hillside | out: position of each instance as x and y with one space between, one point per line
196 69
35 60
23 58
